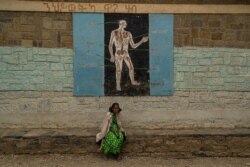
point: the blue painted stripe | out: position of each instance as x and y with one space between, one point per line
88 34
161 54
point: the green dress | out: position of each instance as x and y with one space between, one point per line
112 142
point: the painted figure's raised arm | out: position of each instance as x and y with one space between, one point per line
135 45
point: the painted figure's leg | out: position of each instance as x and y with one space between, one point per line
131 71
118 65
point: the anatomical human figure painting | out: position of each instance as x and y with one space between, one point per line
126 54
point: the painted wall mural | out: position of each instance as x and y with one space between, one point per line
126 54
123 54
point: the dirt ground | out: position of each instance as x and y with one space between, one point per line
64 160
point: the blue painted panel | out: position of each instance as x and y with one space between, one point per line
161 54
88 34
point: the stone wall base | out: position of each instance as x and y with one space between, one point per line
167 143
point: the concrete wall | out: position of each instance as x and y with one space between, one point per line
184 110
211 90
211 68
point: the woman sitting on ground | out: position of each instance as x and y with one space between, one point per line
112 134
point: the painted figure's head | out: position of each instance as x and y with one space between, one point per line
115 109
122 23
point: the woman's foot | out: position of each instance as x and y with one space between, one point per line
119 157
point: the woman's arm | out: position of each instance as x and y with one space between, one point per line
119 122
104 127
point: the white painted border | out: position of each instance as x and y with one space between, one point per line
43 6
